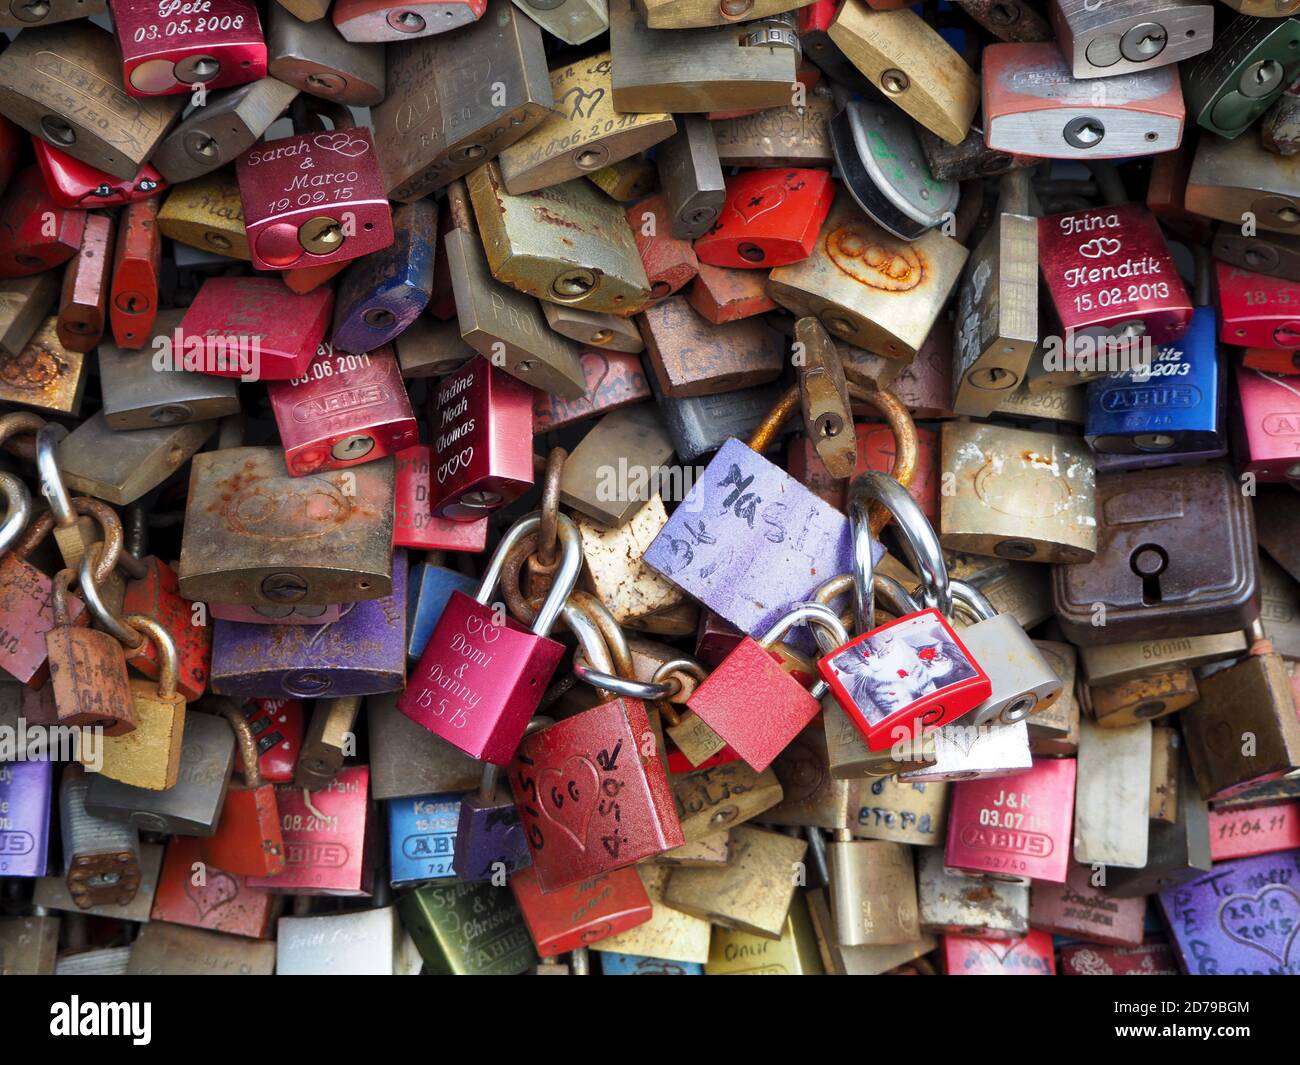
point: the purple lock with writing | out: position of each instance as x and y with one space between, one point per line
489 833
1241 918
25 817
363 653
749 541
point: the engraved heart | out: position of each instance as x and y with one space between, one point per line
1098 247
759 202
1267 921
342 142
220 888
568 796
583 102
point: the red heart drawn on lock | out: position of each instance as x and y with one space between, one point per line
219 889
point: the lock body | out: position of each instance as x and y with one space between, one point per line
1232 177
42 374
72 183
1145 698
467 929
888 809
206 214
379 20
974 752
1274 254
1083 908
1251 65
965 906
592 329
245 496
28 244
223 902
1130 36
414 524
690 173
17 17
314 58
769 219
693 357
137 263
622 438
25 793
119 468
670 263
614 571
718 798
1023 680
26 615
442 116
489 838
83 305
88 680
408 760
1031 956
872 892
1256 310
581 913
422 838
1267 432
101 859
148 756
163 54
779 137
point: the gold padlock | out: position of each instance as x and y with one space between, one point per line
902 812
207 214
1128 702
628 445
873 891
42 375
722 797
670 934
735 952
793 135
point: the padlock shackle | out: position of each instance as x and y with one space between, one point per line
51 481
664 673
918 536
116 627
19 423
646 691
816 614
897 598
565 578
248 755
18 510
972 600
168 659
548 534
59 590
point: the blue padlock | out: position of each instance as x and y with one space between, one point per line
427 593
422 838
1169 413
638 965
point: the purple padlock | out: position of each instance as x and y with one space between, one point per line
749 541
25 789
489 838
1242 918
363 653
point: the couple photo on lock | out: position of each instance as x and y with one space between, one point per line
896 666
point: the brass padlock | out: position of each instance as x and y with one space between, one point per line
1233 179
64 85
911 64
889 809
163 949
328 740
42 375
572 21
626 181
824 398
790 136
1128 702
718 68
24 303
1112 797
407 759
207 214
869 288
669 935
1017 495
690 172
585 134
850 757
1122 661
793 952
632 436
873 891
722 797
28 945
812 797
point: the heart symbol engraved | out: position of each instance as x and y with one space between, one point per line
1220 740
584 102
342 142
1267 921
488 631
221 888
568 796
768 198
1099 246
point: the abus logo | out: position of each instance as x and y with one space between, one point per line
347 399
325 855
1135 397
1034 844
15 843
1282 423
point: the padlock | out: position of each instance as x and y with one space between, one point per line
964 906
629 437
328 741
791 136
872 891
42 374
443 116
1166 757
1176 851
997 310
1033 106
937 678
670 263
193 805
811 796
592 329
1145 698
1274 254
1131 37
670 942
422 838
769 219
700 425
83 305
1081 908
1124 661
879 154
832 445
25 794
314 57
429 347
850 758
23 305
45 12
245 524
87 673
1112 280
368 942
690 172
718 798
888 809
282 235
1031 956
585 134
277 726
467 930
1170 407
221 901
1275 512
206 213
464 633
1279 129
1157 572
248 840
29 243
868 288
137 261
1253 61
406 759
414 525
501 323
362 653
1256 310
1249 833
970 160
595 265
72 183
163 54
1244 730
162 949
86 111
1152 958
1008 22
614 571
101 859
662 15
121 467
328 839
974 752
581 913
1232 921
489 839
481 451
714 68
793 951
382 293
223 129
1113 797
28 945
691 357
1279 613
1232 178
751 703
378 21
627 180
1017 494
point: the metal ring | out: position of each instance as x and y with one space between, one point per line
52 486
633 689
89 592
970 599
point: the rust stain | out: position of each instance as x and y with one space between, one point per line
544 214
873 261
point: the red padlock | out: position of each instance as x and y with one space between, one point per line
723 295
592 794
36 234
83 305
253 328
313 199
968 956
345 409
414 524
481 441
770 218
382 20
1255 830
669 263
755 705
614 379
72 183
277 726
876 448
156 594
169 46
1267 425
133 305
582 913
1256 310
1272 360
248 839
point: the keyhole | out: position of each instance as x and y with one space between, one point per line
1148 562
